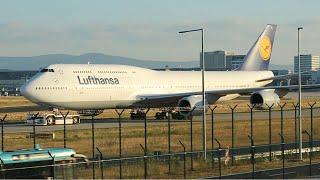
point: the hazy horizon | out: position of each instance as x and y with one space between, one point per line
36 62
148 30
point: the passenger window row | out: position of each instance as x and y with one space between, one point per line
112 72
81 71
51 88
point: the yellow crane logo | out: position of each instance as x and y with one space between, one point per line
265 48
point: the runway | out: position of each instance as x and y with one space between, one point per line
112 123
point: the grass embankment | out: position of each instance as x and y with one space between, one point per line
107 140
202 168
11 101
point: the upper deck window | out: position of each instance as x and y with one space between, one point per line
46 70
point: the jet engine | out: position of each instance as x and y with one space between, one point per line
264 98
186 104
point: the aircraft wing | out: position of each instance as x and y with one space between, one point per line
159 98
283 77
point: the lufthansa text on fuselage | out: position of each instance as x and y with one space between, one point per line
89 80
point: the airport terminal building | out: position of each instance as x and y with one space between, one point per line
309 63
221 60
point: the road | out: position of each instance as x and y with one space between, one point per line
110 123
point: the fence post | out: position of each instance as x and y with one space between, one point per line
64 128
281 116
232 132
270 130
251 119
2 124
144 162
219 156
295 126
282 153
100 162
311 123
2 169
145 132
191 138
34 129
310 153
212 135
184 159
53 165
120 141
252 156
169 143
93 145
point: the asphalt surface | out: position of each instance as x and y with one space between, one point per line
110 123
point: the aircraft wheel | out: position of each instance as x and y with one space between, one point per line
75 120
50 120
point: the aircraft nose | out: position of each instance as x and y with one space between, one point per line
23 90
26 91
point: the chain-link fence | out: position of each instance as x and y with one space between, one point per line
239 139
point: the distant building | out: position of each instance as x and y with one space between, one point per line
279 73
234 61
11 81
221 60
216 60
315 77
308 63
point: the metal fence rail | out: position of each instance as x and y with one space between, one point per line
185 164
71 170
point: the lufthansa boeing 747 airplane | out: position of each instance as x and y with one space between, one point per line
106 86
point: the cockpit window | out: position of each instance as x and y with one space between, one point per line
46 70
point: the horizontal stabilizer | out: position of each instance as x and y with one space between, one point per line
282 77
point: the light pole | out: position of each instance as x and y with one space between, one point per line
299 73
204 135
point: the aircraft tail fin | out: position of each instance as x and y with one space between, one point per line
258 57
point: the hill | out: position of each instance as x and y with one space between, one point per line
36 62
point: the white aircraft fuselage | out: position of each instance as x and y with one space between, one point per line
95 86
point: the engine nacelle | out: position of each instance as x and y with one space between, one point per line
186 104
264 98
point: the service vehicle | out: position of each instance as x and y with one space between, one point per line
137 114
37 163
51 119
173 113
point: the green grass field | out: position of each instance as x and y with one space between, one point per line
107 140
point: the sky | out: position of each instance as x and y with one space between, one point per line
148 30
